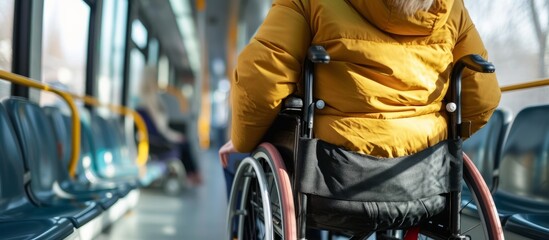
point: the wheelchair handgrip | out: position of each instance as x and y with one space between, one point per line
476 63
293 102
317 54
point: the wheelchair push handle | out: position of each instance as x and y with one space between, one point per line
476 63
456 130
317 54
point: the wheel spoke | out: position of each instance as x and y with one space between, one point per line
471 228
464 206
261 211
274 194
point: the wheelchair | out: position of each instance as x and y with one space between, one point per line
283 188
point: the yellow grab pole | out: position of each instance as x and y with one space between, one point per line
143 136
201 5
143 139
75 136
538 83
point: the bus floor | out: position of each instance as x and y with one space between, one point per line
197 213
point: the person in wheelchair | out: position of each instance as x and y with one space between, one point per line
385 86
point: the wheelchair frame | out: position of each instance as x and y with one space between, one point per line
251 168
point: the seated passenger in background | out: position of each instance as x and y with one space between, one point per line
161 136
385 85
178 115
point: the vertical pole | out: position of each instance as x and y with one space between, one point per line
315 54
203 76
93 51
456 173
128 47
22 29
308 99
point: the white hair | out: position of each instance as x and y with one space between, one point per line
410 7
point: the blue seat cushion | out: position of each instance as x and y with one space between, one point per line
535 226
470 209
506 202
507 206
36 229
79 214
104 197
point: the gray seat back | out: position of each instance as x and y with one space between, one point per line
485 146
12 189
37 141
524 168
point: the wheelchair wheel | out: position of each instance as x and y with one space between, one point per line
261 201
489 226
486 208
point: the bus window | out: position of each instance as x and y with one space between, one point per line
517 45
113 42
64 45
137 64
139 34
153 52
163 72
6 36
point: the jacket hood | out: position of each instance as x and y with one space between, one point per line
384 16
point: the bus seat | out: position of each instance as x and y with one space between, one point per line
109 163
127 151
484 147
524 169
37 143
85 173
124 190
36 229
12 194
533 226
77 190
88 159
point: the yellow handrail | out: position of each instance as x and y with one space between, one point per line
538 83
75 136
143 139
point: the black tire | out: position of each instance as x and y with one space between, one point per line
482 196
486 225
261 198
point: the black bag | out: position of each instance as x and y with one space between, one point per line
356 193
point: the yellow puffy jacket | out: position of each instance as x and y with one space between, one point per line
385 83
